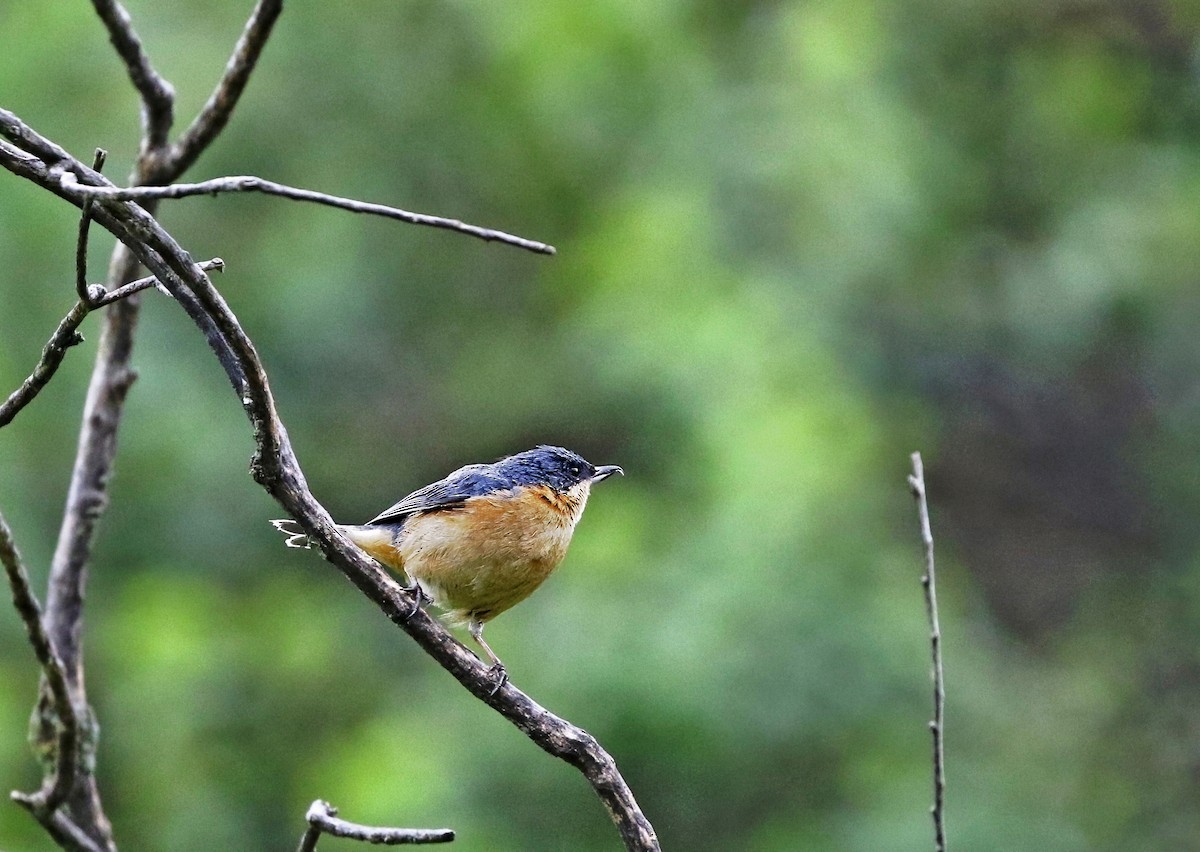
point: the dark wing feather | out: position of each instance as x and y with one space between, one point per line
449 493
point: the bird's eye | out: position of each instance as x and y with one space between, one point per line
575 470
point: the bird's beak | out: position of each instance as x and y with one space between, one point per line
604 471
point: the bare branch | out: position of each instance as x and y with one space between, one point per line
215 113
81 244
216 264
82 824
78 182
275 467
67 335
249 183
158 98
86 501
46 801
916 482
322 818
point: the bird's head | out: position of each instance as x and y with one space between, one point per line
559 468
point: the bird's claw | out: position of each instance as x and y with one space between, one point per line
501 674
418 597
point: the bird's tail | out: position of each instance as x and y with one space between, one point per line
296 537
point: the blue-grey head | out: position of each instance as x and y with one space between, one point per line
554 466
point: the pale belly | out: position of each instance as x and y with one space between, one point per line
477 561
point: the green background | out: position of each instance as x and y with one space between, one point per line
797 241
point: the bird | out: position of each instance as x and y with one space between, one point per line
481 540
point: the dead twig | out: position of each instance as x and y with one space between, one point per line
64 337
250 183
916 482
322 819
67 335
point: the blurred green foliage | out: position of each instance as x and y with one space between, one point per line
797 240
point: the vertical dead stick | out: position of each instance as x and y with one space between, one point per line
916 482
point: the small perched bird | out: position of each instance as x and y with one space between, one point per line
481 540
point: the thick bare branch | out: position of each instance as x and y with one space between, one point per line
276 468
322 819
249 183
216 111
916 482
87 498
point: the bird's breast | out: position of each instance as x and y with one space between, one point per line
492 552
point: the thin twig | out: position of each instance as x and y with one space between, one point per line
216 264
78 182
158 98
916 482
64 337
47 800
216 111
322 818
67 335
81 244
250 183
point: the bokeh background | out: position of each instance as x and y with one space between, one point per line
797 240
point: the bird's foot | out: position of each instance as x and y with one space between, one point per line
418 597
500 674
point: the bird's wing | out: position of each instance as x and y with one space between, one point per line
449 493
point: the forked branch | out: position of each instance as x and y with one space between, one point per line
80 823
67 335
275 467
